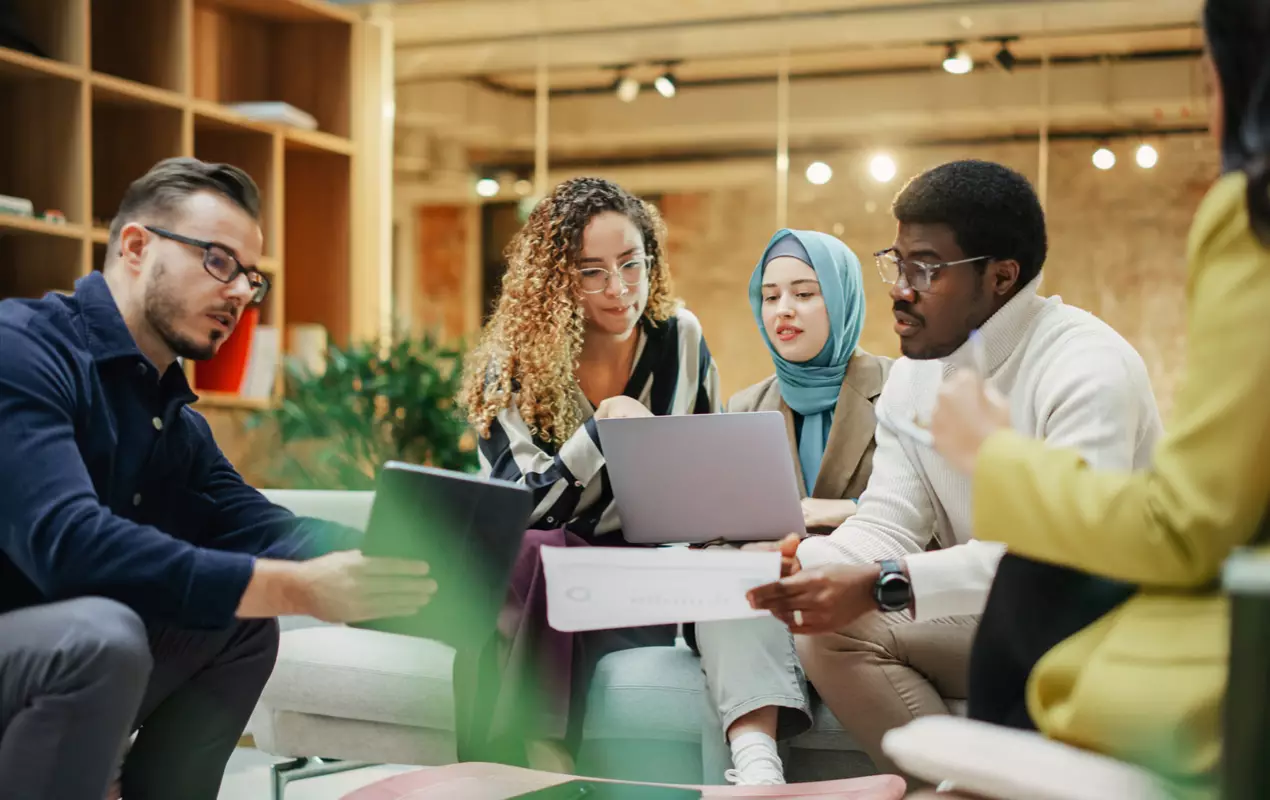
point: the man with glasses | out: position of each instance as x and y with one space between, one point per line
887 605
139 575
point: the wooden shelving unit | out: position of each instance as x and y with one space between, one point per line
119 85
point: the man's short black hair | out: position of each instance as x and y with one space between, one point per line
160 191
992 210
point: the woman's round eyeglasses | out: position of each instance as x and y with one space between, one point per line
593 280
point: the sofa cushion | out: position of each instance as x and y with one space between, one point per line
646 693
344 508
355 674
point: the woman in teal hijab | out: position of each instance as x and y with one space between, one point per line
807 293
808 298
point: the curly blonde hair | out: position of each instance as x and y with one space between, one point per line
530 347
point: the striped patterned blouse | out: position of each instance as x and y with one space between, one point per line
673 374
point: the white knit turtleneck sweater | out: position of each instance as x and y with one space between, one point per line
1069 379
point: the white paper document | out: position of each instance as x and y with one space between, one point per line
603 588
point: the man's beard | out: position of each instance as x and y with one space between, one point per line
162 309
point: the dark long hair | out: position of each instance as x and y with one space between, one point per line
1239 42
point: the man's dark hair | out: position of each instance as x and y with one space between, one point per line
161 191
992 210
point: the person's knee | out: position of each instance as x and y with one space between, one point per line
258 644
869 635
107 640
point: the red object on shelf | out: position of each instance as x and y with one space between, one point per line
226 371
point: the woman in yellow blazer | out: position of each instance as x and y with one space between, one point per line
807 295
1145 681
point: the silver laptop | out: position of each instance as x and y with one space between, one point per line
696 478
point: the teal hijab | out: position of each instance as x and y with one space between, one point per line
811 388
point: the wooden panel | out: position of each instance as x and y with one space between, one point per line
32 264
317 242
55 27
244 58
310 70
128 139
292 10
43 158
440 302
247 150
141 40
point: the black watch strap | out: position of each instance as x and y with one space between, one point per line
893 591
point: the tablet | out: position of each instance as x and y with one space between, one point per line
469 530
696 478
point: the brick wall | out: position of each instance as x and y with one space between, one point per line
1117 249
1117 244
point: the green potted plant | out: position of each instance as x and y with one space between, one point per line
367 406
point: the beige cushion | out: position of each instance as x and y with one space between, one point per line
1005 764
370 676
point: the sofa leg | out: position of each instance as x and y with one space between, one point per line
298 769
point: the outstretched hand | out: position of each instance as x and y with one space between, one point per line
820 600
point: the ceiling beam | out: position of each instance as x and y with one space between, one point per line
864 24
856 111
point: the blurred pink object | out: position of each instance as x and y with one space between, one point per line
497 782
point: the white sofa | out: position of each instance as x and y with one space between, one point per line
341 697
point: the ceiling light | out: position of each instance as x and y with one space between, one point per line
665 84
1005 58
487 187
1104 159
882 168
627 89
958 61
1147 156
819 173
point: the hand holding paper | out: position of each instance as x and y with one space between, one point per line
604 588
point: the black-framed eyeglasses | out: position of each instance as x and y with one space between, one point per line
221 264
916 275
594 280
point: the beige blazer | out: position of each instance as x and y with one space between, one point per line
848 461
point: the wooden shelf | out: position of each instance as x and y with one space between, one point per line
288 10
16 64
317 141
111 87
65 230
229 400
108 89
213 115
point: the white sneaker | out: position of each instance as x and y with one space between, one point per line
758 772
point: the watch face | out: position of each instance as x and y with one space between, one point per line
893 591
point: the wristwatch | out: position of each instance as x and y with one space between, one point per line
892 592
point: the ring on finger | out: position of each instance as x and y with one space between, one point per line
798 617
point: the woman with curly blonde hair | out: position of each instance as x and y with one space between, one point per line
585 328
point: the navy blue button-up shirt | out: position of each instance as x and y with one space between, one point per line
110 485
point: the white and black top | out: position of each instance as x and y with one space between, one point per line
673 374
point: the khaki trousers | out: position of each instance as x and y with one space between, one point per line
885 670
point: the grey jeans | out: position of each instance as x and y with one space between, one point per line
77 677
751 664
72 675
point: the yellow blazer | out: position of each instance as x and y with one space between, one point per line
848 459
1145 683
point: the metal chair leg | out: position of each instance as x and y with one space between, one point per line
299 769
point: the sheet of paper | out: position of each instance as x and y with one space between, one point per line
603 588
